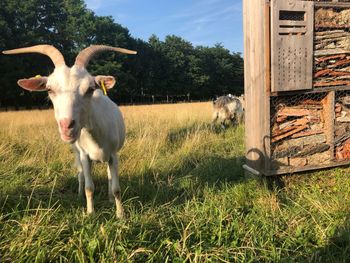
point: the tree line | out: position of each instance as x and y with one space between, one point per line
170 68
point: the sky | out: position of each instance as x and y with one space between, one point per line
202 22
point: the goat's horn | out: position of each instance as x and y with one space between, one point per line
86 54
47 50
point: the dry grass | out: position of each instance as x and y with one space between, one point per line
184 194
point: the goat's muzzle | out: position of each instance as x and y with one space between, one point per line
68 130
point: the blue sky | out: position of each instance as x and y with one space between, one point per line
202 22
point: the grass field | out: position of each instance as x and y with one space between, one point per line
184 195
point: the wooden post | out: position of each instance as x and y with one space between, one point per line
256 85
329 119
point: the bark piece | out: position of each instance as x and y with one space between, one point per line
312 149
281 119
341 138
339 73
302 141
340 63
306 133
331 52
324 59
288 152
322 72
319 158
298 162
288 111
289 133
331 83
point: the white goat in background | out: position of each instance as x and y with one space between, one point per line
228 108
86 118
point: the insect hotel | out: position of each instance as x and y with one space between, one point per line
297 85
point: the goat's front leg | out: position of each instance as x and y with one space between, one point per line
89 184
241 117
114 185
80 173
215 116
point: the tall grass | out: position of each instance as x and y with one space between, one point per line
184 194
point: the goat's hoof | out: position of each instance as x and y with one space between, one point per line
87 214
90 212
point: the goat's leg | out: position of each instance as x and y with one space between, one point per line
234 119
115 185
214 118
80 174
109 173
89 184
223 124
241 117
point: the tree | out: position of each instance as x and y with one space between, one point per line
169 67
220 72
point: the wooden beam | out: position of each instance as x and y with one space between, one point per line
257 121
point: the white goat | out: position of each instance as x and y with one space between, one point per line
227 108
86 118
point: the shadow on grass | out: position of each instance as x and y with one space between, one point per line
337 250
154 186
179 185
339 247
157 187
179 135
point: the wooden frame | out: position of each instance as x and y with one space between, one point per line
258 95
291 40
257 135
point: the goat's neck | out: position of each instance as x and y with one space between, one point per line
92 122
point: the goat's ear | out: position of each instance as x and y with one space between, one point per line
33 84
108 81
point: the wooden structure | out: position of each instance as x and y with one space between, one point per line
297 85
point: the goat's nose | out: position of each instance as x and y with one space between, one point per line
71 124
66 124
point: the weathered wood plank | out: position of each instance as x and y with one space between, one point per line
302 141
332 36
322 72
324 59
306 133
257 130
340 63
312 149
287 134
297 112
291 59
329 116
331 52
328 32
331 83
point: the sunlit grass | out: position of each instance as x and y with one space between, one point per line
184 193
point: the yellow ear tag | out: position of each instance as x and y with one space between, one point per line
103 88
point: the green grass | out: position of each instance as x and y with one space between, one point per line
184 195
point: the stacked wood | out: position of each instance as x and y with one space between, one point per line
298 134
342 128
342 111
332 48
343 151
329 17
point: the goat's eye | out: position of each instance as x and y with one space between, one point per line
50 91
